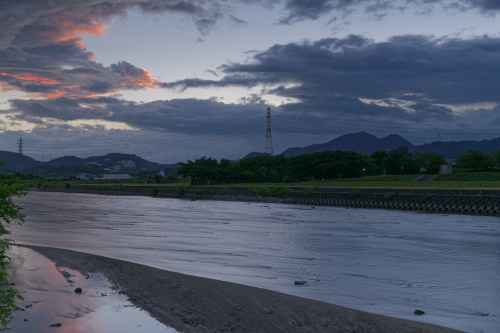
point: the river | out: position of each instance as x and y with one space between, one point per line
380 261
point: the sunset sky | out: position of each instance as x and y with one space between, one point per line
171 80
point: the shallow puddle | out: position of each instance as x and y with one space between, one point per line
50 299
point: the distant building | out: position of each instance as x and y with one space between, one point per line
161 173
445 169
85 176
128 163
54 177
115 176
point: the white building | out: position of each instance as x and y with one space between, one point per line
445 169
115 176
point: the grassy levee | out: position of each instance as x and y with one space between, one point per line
461 180
463 194
469 180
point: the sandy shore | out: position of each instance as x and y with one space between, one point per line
194 304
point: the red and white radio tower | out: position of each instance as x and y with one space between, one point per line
269 138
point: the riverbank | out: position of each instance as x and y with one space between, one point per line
59 299
194 304
476 202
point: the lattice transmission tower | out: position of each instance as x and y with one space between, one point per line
20 164
20 145
269 138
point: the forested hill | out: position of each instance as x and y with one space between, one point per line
69 165
453 149
15 161
367 143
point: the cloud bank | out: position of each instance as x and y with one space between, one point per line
405 84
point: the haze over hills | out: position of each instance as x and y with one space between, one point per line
360 142
71 165
452 149
15 161
366 143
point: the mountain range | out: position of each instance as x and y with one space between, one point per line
71 165
366 143
360 142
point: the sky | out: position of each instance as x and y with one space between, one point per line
172 80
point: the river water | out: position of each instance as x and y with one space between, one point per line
380 261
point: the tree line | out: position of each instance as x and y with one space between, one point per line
328 165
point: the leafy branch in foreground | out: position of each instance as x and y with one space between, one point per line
10 213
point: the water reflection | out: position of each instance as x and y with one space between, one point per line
386 262
50 299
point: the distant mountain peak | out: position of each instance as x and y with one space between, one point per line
360 142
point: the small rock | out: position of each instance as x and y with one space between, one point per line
419 312
65 274
70 281
55 325
29 306
300 283
25 319
78 290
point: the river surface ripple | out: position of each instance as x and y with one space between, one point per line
385 262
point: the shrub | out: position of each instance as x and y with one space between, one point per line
426 197
280 191
181 191
10 213
355 193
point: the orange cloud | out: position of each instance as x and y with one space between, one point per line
108 92
5 87
32 77
143 80
146 80
70 30
56 95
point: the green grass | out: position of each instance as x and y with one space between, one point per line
462 180
470 176
477 180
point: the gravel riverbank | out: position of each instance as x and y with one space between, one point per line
195 304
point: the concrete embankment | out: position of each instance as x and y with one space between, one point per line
477 202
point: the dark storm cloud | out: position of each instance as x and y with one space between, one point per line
186 116
405 81
299 10
312 9
40 39
441 70
97 86
486 4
